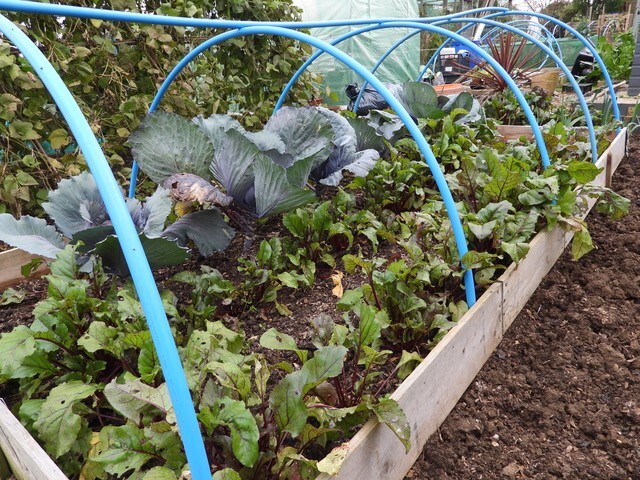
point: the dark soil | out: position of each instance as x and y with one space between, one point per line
560 397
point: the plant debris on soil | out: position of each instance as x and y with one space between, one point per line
560 397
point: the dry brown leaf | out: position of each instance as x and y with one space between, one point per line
338 289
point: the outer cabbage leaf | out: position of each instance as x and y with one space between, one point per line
339 124
76 205
30 234
362 163
151 215
278 190
166 143
420 99
206 228
268 141
366 136
387 125
304 134
217 126
92 236
160 252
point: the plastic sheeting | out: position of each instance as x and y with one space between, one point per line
400 66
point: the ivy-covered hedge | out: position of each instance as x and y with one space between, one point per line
114 70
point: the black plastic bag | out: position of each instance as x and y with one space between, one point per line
370 100
583 65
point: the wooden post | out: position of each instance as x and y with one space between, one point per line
27 459
10 263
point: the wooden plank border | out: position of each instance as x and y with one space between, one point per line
427 395
28 461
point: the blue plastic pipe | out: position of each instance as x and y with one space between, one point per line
532 39
294 78
561 65
431 60
436 54
578 35
542 148
587 43
146 18
131 247
458 231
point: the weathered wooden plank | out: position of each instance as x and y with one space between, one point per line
5 470
513 132
520 281
27 459
10 263
428 394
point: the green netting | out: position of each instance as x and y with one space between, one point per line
401 66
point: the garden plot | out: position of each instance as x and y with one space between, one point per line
355 266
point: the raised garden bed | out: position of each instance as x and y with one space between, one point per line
431 391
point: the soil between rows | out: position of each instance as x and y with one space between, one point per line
560 397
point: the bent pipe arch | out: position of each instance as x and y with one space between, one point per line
445 192
561 65
542 148
424 70
132 248
346 36
574 32
436 54
587 43
25 6
471 22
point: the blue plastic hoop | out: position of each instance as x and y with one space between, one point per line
561 65
346 36
542 148
575 33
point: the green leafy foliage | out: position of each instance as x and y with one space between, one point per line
504 107
89 364
316 231
617 55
